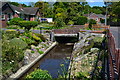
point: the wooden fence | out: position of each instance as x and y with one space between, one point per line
113 58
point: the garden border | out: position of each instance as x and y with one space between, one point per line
25 68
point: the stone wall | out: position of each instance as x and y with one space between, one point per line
85 55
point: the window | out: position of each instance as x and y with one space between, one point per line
3 16
9 16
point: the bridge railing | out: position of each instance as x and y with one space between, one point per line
113 58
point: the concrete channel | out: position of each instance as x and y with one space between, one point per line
51 60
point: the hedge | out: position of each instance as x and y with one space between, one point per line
14 21
28 24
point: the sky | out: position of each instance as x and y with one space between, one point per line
90 2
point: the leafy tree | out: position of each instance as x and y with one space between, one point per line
82 20
45 8
24 5
59 22
15 3
113 11
97 11
116 9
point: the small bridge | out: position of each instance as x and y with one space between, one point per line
66 34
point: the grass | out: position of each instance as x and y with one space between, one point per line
48 26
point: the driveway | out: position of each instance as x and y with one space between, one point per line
116 33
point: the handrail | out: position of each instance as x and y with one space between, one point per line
113 66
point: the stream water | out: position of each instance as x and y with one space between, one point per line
57 57
53 60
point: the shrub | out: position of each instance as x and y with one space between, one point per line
19 44
13 27
81 20
14 21
91 21
98 41
35 37
102 20
44 22
41 36
40 52
28 24
11 34
27 40
13 49
39 74
59 22
70 22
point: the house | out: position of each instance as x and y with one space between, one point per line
9 11
96 17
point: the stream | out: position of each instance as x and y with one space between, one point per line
54 59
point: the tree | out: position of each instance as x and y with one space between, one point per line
97 11
24 5
15 3
113 11
81 20
45 8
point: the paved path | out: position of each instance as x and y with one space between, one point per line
116 33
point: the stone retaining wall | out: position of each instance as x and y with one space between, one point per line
83 52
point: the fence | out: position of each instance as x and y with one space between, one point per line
113 58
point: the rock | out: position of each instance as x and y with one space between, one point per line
32 47
94 50
26 60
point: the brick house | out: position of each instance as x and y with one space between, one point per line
96 17
9 11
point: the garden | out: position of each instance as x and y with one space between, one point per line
21 48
